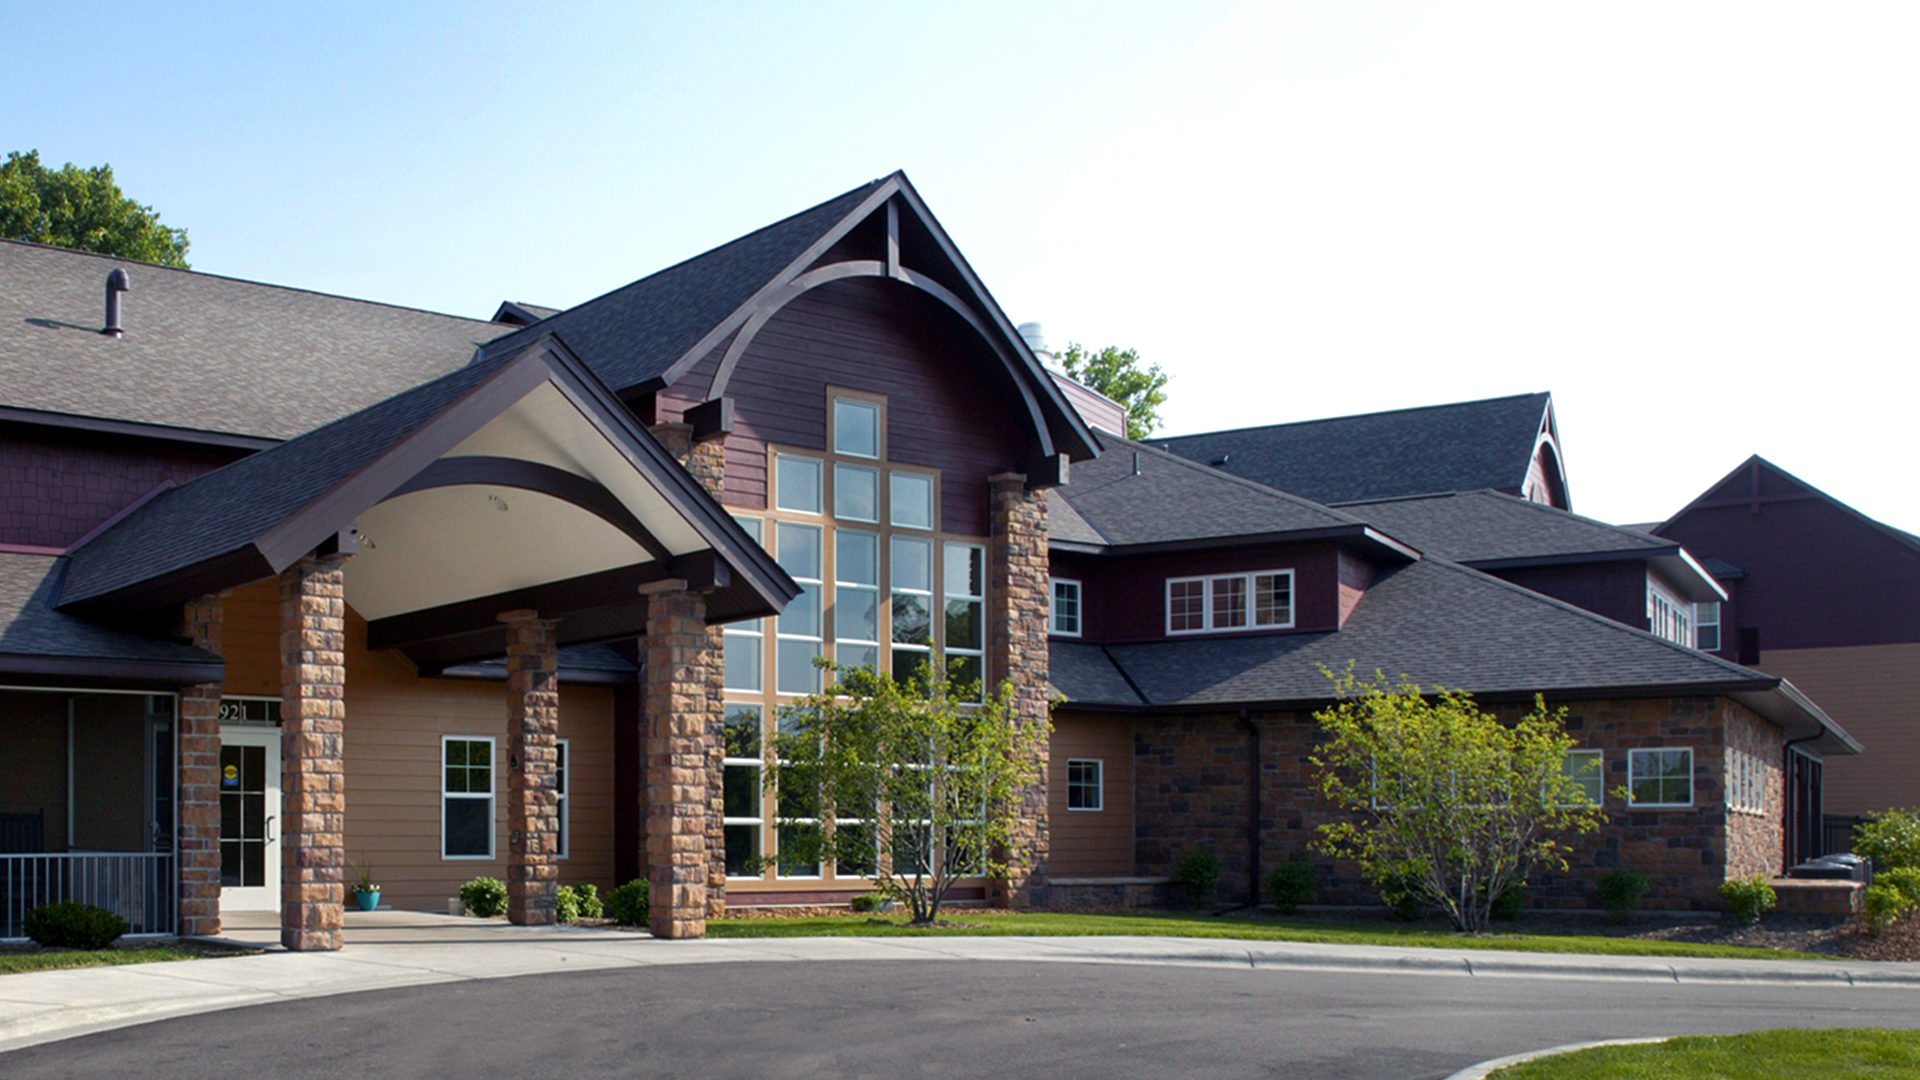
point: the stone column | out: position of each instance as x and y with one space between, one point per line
679 808
196 833
1017 594
706 461
533 806
313 711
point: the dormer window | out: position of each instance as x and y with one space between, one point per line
1668 616
1262 600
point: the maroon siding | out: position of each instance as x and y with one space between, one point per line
1127 597
60 484
945 409
1817 576
1617 590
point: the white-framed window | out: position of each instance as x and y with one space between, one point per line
1261 600
965 583
1064 613
911 497
911 563
1746 782
562 805
1706 626
1661 777
466 797
741 790
744 643
1084 791
1668 616
798 628
796 483
1587 769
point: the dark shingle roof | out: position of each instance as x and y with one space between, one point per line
225 510
1483 526
1173 499
1432 621
634 334
30 628
208 353
1460 447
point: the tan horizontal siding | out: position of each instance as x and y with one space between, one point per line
1092 843
1873 691
395 723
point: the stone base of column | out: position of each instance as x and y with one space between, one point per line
313 675
676 705
533 805
196 833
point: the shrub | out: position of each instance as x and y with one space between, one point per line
628 904
73 926
484 897
1510 904
1399 895
1892 897
1198 875
1291 884
865 902
1891 839
566 905
1622 890
1748 898
588 897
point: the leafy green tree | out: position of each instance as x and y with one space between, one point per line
1447 803
1117 373
906 783
82 208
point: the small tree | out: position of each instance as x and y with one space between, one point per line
908 783
1118 373
1449 804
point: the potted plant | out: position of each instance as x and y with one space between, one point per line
366 893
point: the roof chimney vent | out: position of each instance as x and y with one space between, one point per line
117 283
1037 341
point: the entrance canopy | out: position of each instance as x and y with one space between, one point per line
517 482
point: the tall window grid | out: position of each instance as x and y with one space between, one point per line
881 585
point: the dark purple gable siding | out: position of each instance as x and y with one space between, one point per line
943 409
1617 590
56 484
1817 576
1127 596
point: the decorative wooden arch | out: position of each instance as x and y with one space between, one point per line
540 478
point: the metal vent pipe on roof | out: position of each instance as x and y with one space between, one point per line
117 283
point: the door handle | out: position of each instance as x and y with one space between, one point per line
270 837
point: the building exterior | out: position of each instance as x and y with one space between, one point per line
293 585
1823 595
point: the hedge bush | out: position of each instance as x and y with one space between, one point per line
1748 898
628 904
484 897
73 926
1891 839
1290 885
1198 875
1893 896
1511 903
1622 890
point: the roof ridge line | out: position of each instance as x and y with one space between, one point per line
1298 500
1359 416
249 281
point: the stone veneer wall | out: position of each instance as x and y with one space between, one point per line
313 791
196 839
1017 599
533 754
1190 789
1757 843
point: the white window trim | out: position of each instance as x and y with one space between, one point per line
1601 757
1079 607
1632 776
1700 622
561 803
1668 616
493 787
1206 596
1099 787
820 484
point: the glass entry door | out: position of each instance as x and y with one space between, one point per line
249 819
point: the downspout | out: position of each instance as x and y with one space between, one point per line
1253 808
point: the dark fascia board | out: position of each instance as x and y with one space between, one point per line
553 600
1359 535
29 670
1031 371
715 525
1527 562
161 432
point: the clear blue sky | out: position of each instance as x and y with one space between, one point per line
1696 224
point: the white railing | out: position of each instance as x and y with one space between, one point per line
136 885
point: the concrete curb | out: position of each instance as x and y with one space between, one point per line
1480 1071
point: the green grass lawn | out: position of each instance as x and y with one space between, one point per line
1861 1053
976 921
12 963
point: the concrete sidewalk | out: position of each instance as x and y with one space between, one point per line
396 949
